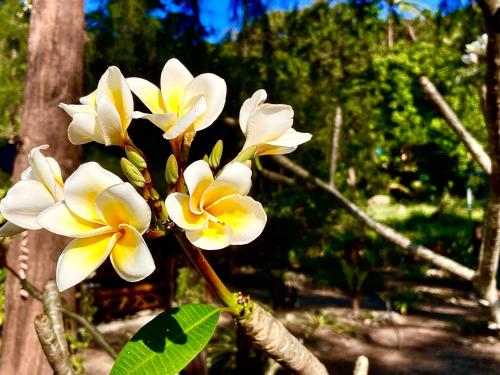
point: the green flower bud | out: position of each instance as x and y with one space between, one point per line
132 173
215 155
172 170
205 158
135 158
154 194
247 154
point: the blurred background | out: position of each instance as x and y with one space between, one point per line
335 283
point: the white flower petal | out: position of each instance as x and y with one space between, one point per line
177 205
213 89
249 105
59 219
163 120
113 84
198 176
148 93
214 237
122 204
267 123
89 99
236 178
83 186
43 171
83 129
197 107
24 201
174 79
82 257
245 216
109 121
285 144
73 109
9 229
130 256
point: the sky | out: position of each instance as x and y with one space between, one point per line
215 14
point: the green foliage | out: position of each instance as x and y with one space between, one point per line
14 17
169 342
190 286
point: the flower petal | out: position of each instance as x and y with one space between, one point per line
213 89
285 144
89 99
214 237
109 121
177 205
73 109
122 204
59 219
83 186
267 123
148 93
9 229
24 201
82 257
114 85
83 129
174 79
236 178
163 120
198 176
195 108
249 105
244 215
42 170
131 257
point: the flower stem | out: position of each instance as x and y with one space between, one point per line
219 289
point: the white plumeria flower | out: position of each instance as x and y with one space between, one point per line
104 115
217 213
183 103
107 217
475 50
269 126
40 187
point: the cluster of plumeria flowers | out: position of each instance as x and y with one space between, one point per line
106 216
475 51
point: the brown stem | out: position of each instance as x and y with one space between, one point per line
337 125
53 309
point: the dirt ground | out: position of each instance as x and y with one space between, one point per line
440 336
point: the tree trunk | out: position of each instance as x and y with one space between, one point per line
54 75
490 248
390 26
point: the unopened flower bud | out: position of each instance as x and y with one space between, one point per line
132 173
135 158
215 155
172 170
247 154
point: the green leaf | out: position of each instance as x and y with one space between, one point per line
169 342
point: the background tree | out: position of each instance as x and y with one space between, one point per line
54 75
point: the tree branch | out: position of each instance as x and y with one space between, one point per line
58 360
271 336
53 309
337 125
37 294
453 121
403 242
361 367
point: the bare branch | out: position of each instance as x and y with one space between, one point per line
58 360
337 125
453 121
271 336
403 242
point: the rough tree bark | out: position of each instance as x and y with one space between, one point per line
486 283
54 75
